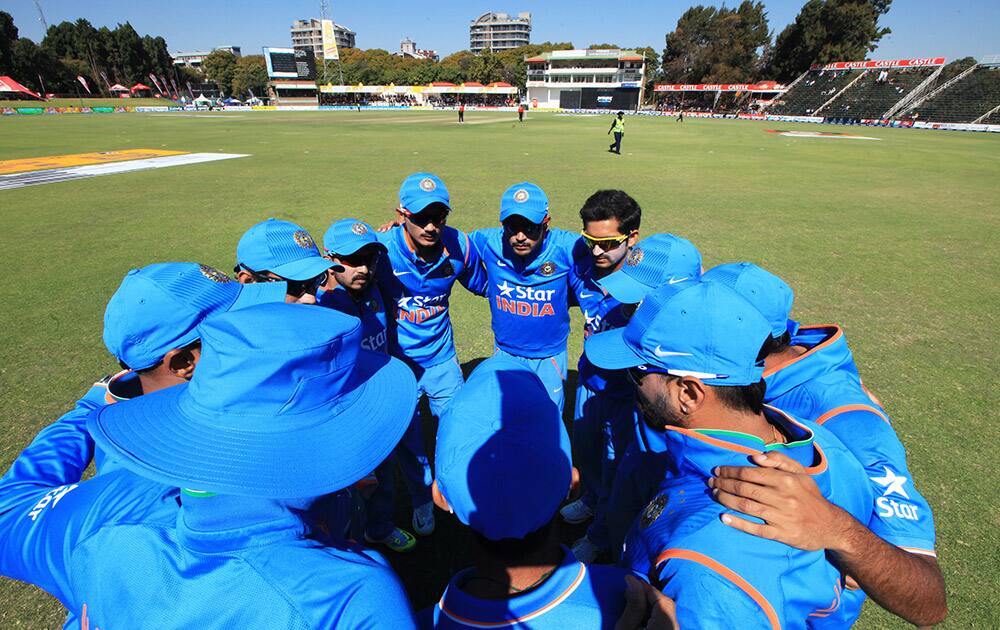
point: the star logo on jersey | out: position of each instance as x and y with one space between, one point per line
359 228
521 195
403 302
892 483
427 184
303 240
634 257
505 289
547 269
214 274
653 510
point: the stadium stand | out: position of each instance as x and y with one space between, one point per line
811 91
876 92
969 98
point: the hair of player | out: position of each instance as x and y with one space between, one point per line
612 204
513 549
774 345
747 397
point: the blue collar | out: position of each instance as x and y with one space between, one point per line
465 609
697 452
827 352
218 524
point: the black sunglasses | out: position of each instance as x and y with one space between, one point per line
636 374
295 288
531 230
423 219
360 259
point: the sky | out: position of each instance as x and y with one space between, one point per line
921 28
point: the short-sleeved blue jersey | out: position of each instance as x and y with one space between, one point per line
369 308
600 312
574 596
823 385
721 577
529 298
122 551
418 293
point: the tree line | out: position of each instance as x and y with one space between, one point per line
708 45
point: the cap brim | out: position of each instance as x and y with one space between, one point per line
531 216
158 438
421 204
624 288
304 268
608 350
259 293
352 248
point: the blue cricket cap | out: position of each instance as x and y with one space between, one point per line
526 200
420 190
347 236
158 308
693 328
283 248
766 291
655 260
285 404
503 456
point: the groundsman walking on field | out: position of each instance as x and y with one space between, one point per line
617 126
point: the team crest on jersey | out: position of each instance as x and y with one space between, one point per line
521 195
214 274
653 510
634 257
427 184
303 240
547 269
359 228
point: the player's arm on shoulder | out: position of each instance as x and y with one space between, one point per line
473 276
795 512
707 594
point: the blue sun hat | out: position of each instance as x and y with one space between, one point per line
158 308
284 404
503 456
770 294
283 248
692 328
655 260
526 200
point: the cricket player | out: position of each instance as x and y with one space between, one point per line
503 467
424 259
281 251
207 524
605 420
693 349
352 245
618 128
811 373
531 280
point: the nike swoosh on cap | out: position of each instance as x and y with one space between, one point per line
676 280
660 352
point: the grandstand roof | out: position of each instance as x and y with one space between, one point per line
608 53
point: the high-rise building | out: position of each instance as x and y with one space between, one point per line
499 31
408 48
308 35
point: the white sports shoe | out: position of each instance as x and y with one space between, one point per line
423 519
576 512
585 551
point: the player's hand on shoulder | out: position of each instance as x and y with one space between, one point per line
646 607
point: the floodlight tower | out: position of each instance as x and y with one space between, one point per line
41 15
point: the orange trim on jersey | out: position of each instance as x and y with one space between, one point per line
468 248
837 335
108 396
825 612
523 618
729 446
845 408
727 573
818 467
920 552
558 371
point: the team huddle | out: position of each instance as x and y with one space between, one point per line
732 466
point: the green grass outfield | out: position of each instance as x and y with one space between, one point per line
896 239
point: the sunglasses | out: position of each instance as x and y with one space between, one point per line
423 219
360 259
295 288
531 230
636 374
603 244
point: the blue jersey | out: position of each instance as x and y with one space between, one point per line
574 596
601 312
418 293
721 577
529 298
369 308
122 551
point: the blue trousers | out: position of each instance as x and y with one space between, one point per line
603 429
552 371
